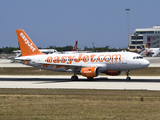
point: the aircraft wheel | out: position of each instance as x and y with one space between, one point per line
128 78
74 78
90 78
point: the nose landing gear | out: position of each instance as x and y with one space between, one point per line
127 73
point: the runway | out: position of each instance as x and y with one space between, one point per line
64 82
7 63
154 61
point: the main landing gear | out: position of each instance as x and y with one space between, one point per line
90 78
127 73
74 77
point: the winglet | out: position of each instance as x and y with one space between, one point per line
26 45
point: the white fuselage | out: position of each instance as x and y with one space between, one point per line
105 61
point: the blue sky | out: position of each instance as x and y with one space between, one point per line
62 22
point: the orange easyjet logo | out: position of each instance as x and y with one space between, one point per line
84 58
30 45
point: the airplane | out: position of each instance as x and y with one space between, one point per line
74 50
85 64
75 46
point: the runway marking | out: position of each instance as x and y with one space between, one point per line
101 82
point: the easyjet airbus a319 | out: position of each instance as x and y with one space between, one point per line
86 64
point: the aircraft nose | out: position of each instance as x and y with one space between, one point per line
145 63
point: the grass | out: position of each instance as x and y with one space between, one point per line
77 104
71 104
29 71
149 71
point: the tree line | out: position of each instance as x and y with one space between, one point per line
9 50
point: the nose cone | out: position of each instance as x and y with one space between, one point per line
145 63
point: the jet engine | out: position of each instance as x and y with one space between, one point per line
90 72
113 73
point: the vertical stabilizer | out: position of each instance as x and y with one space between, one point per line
26 45
75 46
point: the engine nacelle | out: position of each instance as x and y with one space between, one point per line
113 73
90 72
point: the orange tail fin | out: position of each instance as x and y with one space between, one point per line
26 45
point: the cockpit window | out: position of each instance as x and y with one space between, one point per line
138 57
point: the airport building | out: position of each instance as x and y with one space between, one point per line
144 38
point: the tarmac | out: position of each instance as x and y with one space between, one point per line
64 82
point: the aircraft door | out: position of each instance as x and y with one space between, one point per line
124 58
